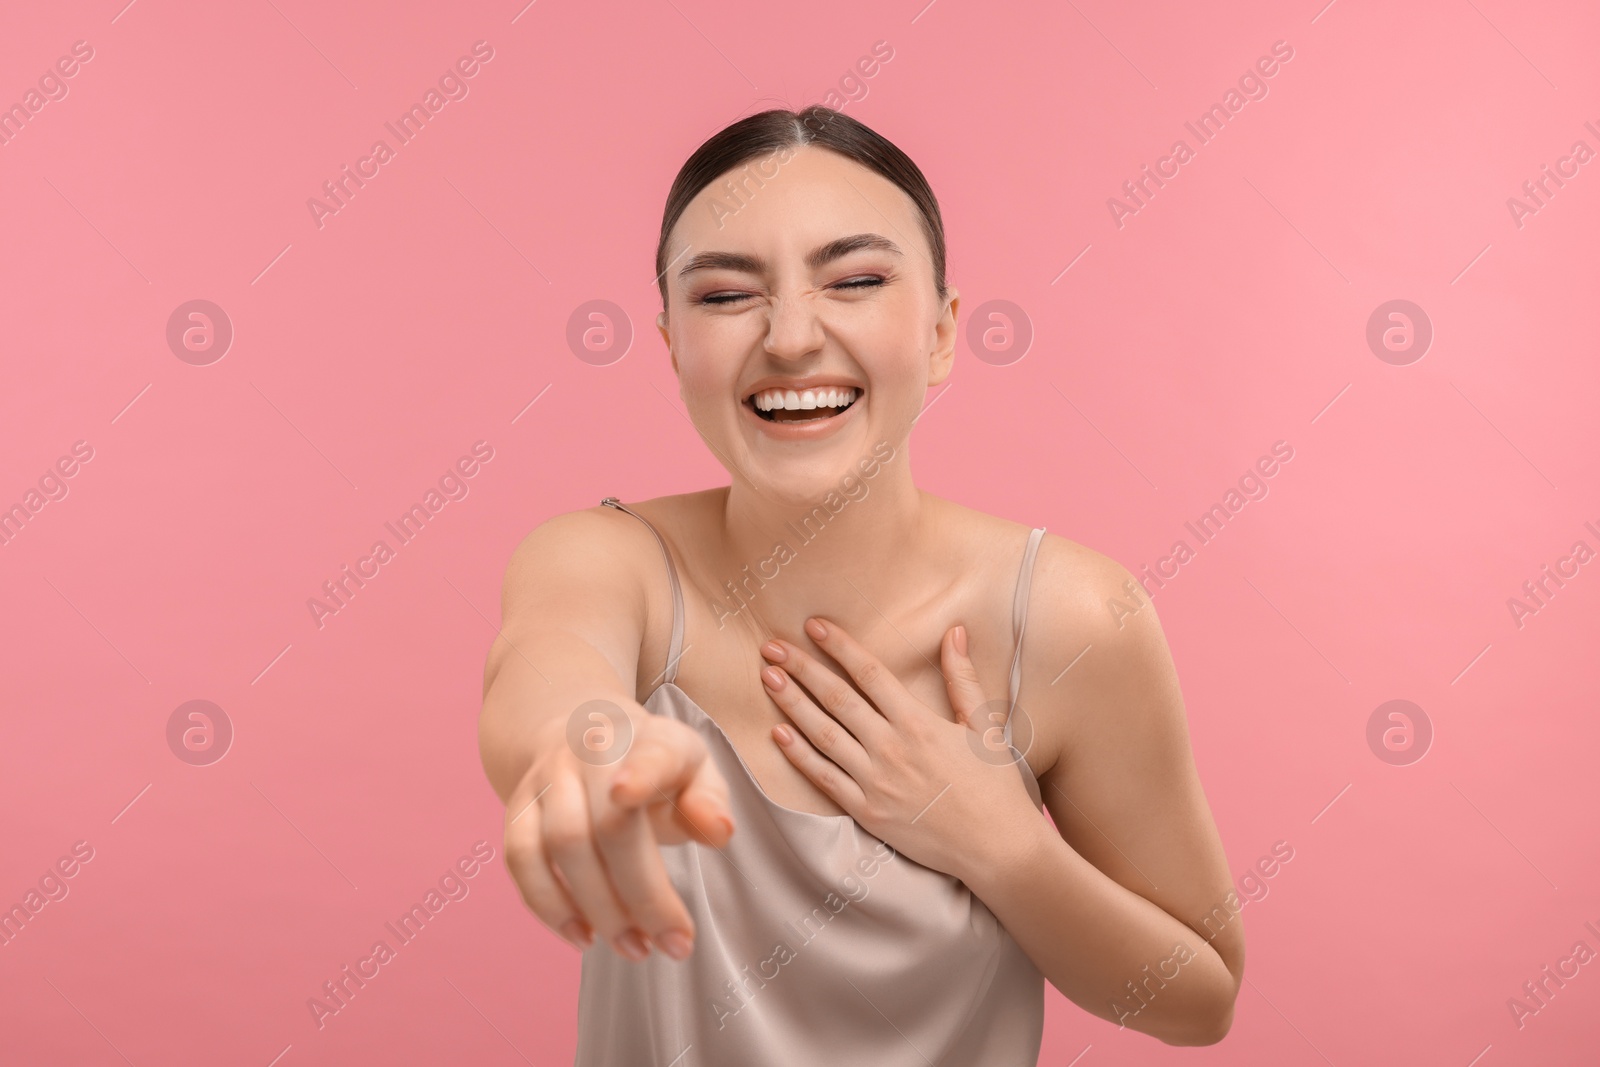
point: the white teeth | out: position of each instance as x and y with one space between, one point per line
804 400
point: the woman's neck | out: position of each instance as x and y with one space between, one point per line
844 556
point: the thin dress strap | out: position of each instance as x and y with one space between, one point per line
675 646
1019 619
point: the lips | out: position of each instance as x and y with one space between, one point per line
802 410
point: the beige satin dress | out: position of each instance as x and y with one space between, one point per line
816 944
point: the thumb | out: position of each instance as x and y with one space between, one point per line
961 678
703 810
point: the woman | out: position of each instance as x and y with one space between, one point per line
828 688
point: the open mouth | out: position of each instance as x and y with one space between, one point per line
805 405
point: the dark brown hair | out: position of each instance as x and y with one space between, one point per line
770 131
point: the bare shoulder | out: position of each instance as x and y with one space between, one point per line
591 561
596 544
1070 581
1085 595
1095 659
602 541
594 574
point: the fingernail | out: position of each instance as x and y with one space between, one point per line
676 944
961 640
785 735
772 676
816 629
632 945
774 651
574 931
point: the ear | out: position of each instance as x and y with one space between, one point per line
943 356
666 338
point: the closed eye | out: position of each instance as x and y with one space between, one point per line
868 282
861 283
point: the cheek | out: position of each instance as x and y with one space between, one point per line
702 382
709 363
891 343
710 349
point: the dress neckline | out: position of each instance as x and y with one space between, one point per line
773 804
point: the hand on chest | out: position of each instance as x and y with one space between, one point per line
720 671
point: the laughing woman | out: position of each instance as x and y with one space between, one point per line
774 753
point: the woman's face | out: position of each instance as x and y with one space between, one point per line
816 276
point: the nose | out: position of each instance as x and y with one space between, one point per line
793 329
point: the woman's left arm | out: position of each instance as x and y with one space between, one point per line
1129 910
1126 905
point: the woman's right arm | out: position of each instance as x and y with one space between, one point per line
592 790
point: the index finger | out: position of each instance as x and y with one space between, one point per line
667 764
876 681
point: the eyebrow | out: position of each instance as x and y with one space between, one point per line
817 257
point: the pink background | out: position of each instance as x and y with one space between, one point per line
369 354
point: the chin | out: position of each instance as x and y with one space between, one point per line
842 473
